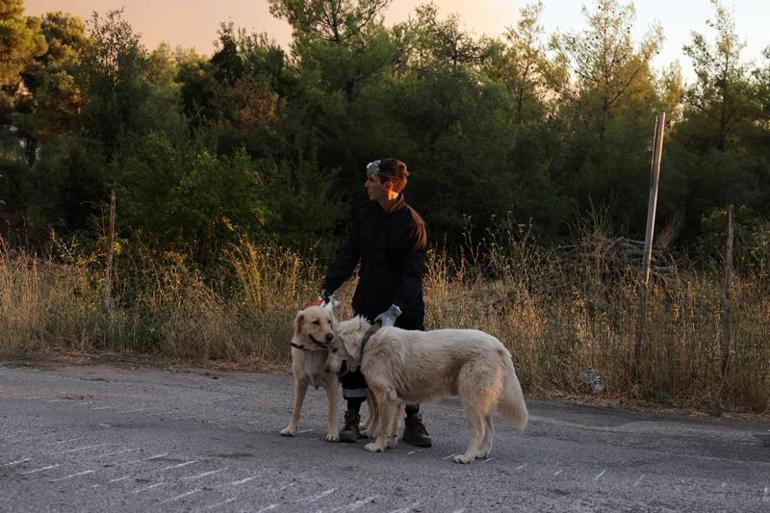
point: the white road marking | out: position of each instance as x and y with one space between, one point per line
304 431
242 481
268 508
462 510
228 501
522 466
178 465
354 505
199 476
638 482
408 508
724 484
84 448
39 470
414 452
182 495
102 408
450 456
557 472
85 472
143 459
118 479
140 490
314 498
64 441
28 459
488 459
133 411
600 474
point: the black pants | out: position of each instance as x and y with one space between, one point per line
354 391
354 384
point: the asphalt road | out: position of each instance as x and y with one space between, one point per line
114 439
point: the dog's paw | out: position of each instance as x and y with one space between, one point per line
392 442
332 437
373 447
287 431
462 458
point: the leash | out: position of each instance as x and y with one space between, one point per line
372 330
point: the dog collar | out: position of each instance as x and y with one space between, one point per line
325 346
298 346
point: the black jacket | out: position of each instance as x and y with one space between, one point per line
390 246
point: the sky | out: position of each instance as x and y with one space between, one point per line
194 23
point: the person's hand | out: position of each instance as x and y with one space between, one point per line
322 299
389 316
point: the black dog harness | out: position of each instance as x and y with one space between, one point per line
372 330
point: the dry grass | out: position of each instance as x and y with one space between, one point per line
163 307
558 316
561 317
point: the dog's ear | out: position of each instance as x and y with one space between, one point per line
298 322
352 345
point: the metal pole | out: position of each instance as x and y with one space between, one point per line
653 201
728 318
657 151
110 252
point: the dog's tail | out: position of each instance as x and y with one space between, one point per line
511 404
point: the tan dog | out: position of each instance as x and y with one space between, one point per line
419 366
309 351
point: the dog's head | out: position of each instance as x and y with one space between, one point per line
346 345
313 327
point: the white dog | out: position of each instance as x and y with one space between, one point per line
417 366
309 350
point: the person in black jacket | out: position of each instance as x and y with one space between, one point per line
388 239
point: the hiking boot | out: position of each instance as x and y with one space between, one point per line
415 432
349 433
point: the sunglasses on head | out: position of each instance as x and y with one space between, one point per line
372 168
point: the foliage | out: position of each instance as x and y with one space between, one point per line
718 151
267 144
189 198
20 42
55 101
